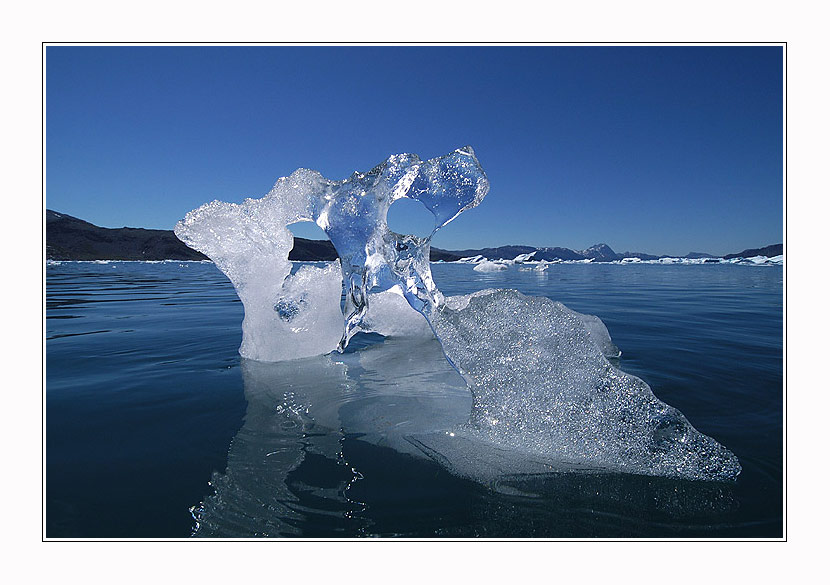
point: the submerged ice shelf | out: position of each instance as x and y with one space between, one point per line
541 383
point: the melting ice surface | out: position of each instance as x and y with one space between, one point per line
543 389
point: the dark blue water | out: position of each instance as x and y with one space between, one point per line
155 427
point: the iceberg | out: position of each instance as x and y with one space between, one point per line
539 373
524 257
542 384
250 244
286 316
488 266
472 259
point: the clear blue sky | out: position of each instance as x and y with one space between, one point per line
649 149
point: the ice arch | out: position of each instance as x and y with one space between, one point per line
540 382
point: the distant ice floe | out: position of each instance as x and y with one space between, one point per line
523 257
535 266
483 264
51 262
754 261
488 266
538 265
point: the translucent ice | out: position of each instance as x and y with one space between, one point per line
286 316
250 244
541 385
541 382
353 214
598 333
391 316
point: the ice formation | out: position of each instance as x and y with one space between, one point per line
286 316
391 316
538 372
541 384
488 266
250 244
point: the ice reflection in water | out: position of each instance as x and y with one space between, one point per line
329 444
286 466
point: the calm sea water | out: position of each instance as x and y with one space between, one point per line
155 427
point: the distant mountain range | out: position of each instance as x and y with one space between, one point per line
769 251
70 238
597 252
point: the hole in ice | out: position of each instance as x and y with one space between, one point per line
308 230
320 248
410 217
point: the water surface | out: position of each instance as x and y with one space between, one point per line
155 427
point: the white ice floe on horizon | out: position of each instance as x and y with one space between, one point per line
51 261
470 260
665 260
534 266
524 257
762 260
489 266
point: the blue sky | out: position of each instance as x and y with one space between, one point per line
649 149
